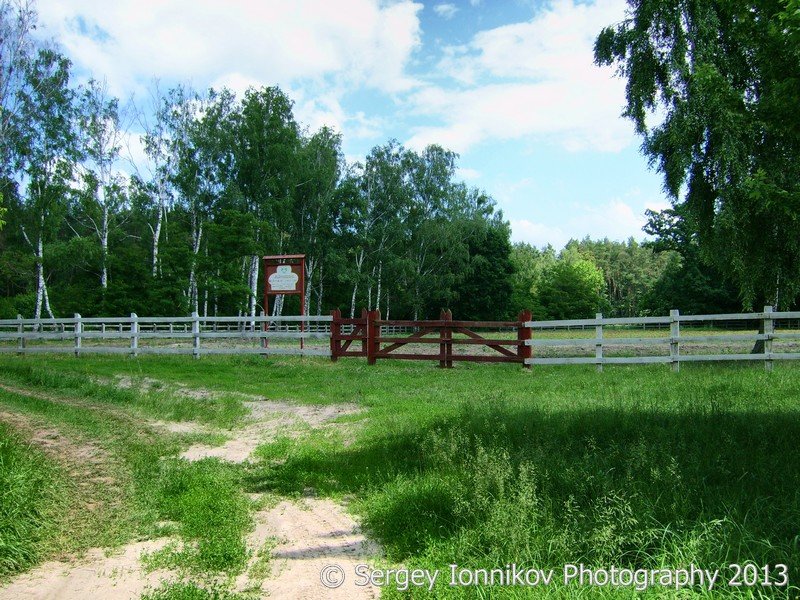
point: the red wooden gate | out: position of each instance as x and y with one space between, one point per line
377 341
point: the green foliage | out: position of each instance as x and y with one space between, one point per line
687 282
190 591
573 288
631 271
529 264
725 77
29 484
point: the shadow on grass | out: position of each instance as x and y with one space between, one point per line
642 488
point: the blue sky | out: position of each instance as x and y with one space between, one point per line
508 84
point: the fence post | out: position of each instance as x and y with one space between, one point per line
769 329
365 332
373 336
336 329
134 334
78 334
524 351
674 335
449 342
598 344
21 334
195 334
442 340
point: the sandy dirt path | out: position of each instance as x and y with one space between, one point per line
101 574
314 539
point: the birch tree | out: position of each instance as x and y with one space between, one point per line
713 90
157 173
17 49
102 140
47 152
316 214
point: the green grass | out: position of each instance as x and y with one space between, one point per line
207 501
190 591
29 502
486 465
160 402
204 500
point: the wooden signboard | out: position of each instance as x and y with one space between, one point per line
285 274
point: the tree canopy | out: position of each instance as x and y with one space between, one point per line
713 88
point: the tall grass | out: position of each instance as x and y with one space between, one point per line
29 498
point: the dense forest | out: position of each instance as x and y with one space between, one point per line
228 179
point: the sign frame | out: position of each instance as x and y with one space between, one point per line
297 265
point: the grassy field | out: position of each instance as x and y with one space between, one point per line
481 466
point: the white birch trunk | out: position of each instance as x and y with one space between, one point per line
359 263
253 286
157 234
197 235
37 314
104 242
310 268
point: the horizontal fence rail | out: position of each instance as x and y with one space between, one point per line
675 342
766 336
193 335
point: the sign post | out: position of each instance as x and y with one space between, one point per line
285 275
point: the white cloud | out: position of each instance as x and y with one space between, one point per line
468 174
537 234
363 42
536 78
445 10
615 220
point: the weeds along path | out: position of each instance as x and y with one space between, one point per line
269 419
96 498
287 547
265 419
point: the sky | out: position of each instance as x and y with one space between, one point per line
508 84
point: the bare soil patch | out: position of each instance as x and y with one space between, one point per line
306 537
99 574
268 420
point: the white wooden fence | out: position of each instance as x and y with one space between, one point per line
673 344
675 338
193 335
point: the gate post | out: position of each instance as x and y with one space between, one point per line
364 332
598 343
449 343
445 346
373 336
523 334
335 331
134 334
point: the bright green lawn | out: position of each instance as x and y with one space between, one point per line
486 465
